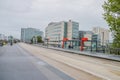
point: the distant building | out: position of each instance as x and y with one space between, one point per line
28 33
91 37
81 34
72 30
3 37
88 34
96 37
10 38
56 31
102 33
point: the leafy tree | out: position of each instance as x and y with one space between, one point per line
36 38
39 39
112 16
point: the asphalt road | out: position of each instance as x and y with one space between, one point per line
77 66
18 64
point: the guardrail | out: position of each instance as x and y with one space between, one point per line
100 49
114 51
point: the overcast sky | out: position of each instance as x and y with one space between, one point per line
17 14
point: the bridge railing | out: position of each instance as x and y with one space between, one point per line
115 51
92 46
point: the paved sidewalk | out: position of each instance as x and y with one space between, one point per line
92 54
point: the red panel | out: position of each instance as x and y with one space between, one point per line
82 43
65 39
84 39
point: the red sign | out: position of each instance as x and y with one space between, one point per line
65 39
84 39
82 43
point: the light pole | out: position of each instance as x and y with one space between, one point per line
56 42
36 39
47 41
102 38
59 40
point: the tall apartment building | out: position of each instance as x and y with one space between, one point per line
102 33
28 33
56 31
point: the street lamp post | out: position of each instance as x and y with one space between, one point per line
59 40
36 40
103 42
102 38
47 42
56 42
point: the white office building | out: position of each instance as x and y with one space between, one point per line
102 33
56 31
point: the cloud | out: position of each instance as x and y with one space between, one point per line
15 14
15 5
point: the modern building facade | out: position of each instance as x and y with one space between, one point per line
102 33
86 34
28 33
72 30
57 31
81 34
96 38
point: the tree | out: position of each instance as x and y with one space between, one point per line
36 39
39 39
112 16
